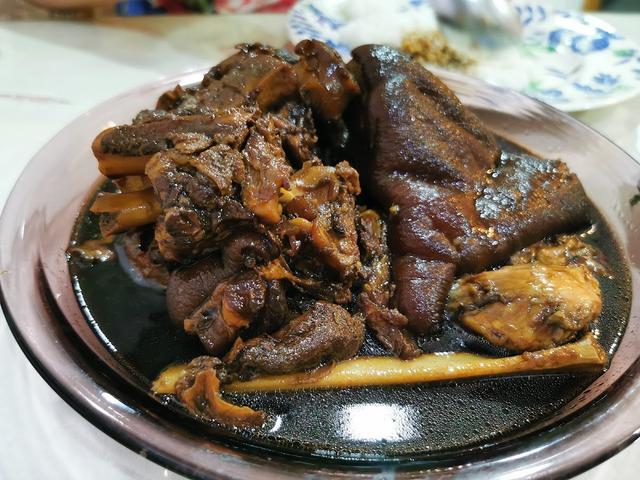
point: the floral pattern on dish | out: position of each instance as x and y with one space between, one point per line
567 59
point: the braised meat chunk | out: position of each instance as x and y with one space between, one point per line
459 205
563 250
267 170
190 286
422 128
235 304
374 302
325 82
247 71
528 307
324 333
185 229
523 200
126 149
322 198
423 291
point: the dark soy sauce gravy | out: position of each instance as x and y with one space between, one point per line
367 423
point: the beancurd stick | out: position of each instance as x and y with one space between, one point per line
112 165
123 211
115 165
132 183
585 354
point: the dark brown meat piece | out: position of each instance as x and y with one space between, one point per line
421 290
323 199
190 286
248 249
388 324
178 184
299 139
525 199
266 169
234 305
324 333
246 70
125 149
423 129
390 328
256 74
274 314
195 101
276 87
456 202
310 276
222 165
184 233
522 200
195 213
325 82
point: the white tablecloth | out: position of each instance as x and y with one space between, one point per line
51 72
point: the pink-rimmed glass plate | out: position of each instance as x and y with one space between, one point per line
48 322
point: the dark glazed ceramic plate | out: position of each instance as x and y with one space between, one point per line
49 323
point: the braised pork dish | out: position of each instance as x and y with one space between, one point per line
298 213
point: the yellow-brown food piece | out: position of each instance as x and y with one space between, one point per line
585 354
528 307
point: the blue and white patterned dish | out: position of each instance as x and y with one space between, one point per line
567 59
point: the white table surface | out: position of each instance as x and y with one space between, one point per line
51 72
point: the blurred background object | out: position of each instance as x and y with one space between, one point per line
613 5
82 9
492 23
86 9
568 59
